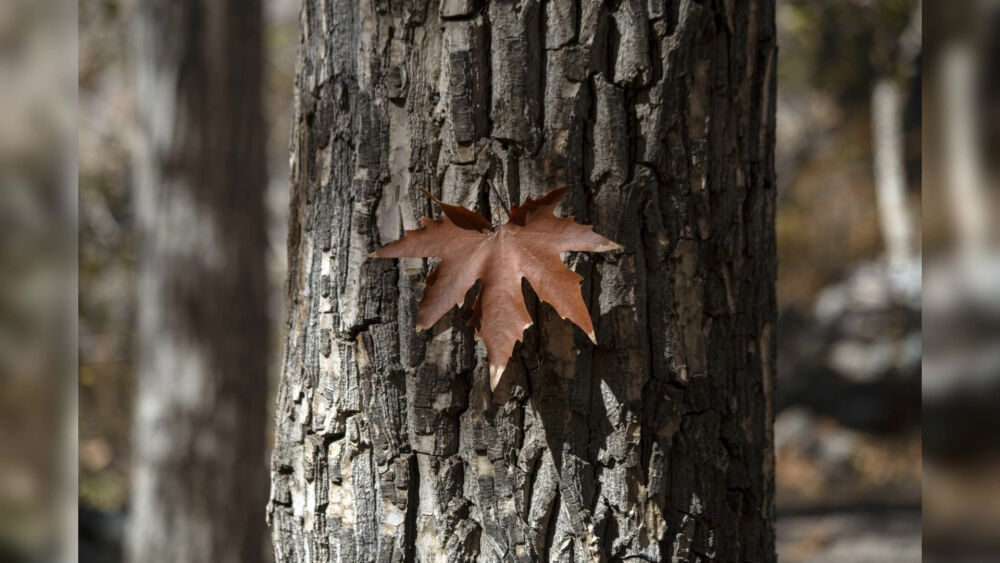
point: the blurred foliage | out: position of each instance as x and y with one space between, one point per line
106 253
839 47
827 220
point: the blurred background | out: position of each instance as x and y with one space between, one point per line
961 376
887 129
38 210
848 159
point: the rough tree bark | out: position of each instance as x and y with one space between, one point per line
655 444
200 474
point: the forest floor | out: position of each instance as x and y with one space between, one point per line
858 535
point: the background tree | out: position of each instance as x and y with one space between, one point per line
199 435
654 444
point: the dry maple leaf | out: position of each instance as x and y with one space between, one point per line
527 246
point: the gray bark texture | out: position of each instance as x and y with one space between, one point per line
200 465
653 445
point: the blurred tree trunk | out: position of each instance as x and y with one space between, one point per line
656 443
200 478
888 135
890 174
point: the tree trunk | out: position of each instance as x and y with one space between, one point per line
890 172
656 443
965 176
200 477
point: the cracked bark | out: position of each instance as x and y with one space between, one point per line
654 445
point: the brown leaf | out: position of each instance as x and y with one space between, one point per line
527 247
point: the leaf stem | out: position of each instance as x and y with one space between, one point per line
503 202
